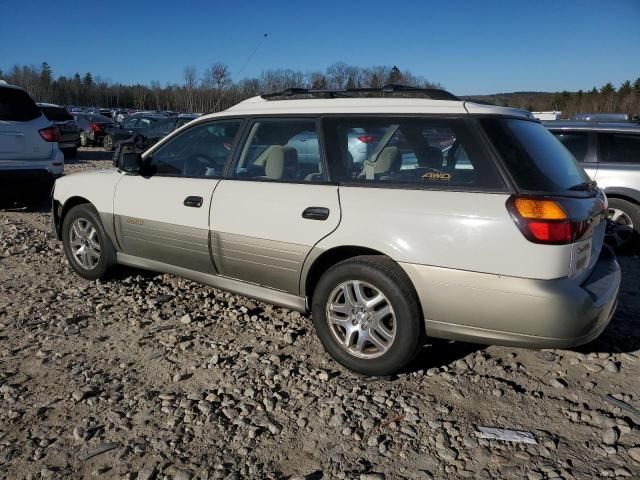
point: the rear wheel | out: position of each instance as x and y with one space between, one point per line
84 141
367 316
108 144
86 245
623 228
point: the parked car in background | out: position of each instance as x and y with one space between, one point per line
610 154
92 128
146 137
69 131
29 153
129 127
466 221
603 117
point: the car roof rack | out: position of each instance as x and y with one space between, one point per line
392 88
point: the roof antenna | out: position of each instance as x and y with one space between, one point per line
255 50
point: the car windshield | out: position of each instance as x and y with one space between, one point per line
56 114
17 106
537 161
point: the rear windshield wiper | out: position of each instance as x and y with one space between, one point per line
584 186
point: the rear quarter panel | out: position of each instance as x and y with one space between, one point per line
457 230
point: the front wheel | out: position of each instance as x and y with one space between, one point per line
367 316
623 227
86 245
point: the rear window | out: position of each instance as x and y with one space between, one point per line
56 114
537 161
17 106
416 152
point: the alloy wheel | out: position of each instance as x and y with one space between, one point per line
619 228
84 243
361 319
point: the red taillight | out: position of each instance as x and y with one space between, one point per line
544 220
50 134
366 138
95 127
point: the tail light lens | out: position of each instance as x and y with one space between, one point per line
50 134
544 220
95 127
366 138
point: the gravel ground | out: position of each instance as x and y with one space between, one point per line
151 376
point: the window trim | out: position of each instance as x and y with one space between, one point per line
148 157
251 120
474 130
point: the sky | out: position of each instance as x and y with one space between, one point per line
470 47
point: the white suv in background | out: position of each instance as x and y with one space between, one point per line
462 221
29 153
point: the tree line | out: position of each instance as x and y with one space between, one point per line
608 98
213 89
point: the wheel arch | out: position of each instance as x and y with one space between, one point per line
623 193
59 211
320 261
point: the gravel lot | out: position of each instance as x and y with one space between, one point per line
151 376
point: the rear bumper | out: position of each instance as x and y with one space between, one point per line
14 172
492 309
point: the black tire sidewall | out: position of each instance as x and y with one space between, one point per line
409 331
633 211
107 252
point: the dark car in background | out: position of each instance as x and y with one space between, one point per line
129 127
92 128
69 131
144 138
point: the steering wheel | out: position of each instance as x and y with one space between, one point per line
199 165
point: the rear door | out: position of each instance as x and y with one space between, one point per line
163 214
20 120
273 207
619 159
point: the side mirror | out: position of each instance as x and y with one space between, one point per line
130 162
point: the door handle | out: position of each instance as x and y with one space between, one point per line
193 202
315 213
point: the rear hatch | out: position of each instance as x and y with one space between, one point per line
63 120
556 201
20 122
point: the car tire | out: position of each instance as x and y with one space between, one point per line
70 152
378 330
108 144
84 141
623 230
82 229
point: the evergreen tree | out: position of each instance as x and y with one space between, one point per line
87 80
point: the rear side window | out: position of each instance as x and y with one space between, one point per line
535 158
576 142
281 150
619 147
56 114
17 106
424 152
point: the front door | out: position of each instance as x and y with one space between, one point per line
274 207
163 213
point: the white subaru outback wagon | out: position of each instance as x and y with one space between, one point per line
463 221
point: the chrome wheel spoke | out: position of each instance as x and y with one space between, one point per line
383 332
349 299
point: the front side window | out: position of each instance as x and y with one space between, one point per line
200 151
282 149
576 142
619 147
425 152
535 158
